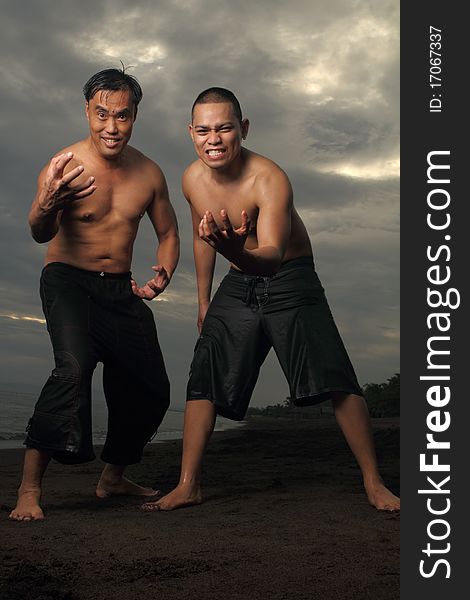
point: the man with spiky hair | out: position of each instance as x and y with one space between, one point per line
90 199
242 208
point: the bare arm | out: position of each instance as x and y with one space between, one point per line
54 193
163 219
274 196
204 261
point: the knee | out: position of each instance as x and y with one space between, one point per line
73 365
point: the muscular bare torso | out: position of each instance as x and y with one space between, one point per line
243 193
97 232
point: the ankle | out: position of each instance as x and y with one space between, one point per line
112 473
29 488
373 481
189 484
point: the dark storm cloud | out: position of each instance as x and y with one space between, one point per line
319 82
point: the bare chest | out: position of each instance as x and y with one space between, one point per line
233 201
114 200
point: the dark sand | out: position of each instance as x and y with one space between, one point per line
285 517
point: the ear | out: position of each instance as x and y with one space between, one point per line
87 110
191 131
245 127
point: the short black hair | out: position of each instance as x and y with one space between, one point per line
112 80
218 95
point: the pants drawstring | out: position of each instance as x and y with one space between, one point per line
251 298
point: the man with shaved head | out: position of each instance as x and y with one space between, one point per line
242 208
91 197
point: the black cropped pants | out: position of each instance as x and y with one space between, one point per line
94 317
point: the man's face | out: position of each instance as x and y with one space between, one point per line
111 116
217 133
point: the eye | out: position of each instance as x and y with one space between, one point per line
101 115
123 117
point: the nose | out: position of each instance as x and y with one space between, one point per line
214 138
111 126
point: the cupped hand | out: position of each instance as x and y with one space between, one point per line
226 240
57 191
154 286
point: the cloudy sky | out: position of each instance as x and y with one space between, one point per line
319 80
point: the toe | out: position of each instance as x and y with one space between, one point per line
150 507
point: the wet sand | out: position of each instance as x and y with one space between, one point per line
285 517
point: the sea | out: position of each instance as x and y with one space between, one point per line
16 407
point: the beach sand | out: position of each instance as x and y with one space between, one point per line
285 517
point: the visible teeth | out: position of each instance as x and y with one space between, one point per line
215 152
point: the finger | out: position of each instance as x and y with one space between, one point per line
206 227
226 221
202 234
246 223
245 219
58 163
211 223
149 292
157 281
81 186
153 291
200 229
84 193
135 288
208 223
71 175
211 228
161 281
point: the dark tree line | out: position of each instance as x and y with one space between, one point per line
383 400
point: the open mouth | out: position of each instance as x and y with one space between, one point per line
111 142
215 154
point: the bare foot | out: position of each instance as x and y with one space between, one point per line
178 498
382 498
27 508
122 487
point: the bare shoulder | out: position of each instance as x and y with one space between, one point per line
268 176
191 175
146 166
264 167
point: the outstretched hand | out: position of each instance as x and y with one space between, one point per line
226 240
57 192
154 286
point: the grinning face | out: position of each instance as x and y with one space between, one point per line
217 134
111 116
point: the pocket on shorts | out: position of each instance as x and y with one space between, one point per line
49 430
58 396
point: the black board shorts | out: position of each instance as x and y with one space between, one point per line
94 317
250 314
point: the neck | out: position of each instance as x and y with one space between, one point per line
112 162
231 172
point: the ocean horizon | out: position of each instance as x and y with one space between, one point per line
17 407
